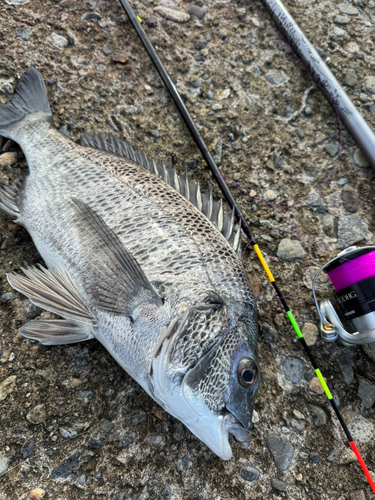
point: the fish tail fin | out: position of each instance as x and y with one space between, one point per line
30 97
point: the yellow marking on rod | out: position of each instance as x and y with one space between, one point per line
264 263
139 19
323 382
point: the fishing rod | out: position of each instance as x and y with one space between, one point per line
136 22
322 76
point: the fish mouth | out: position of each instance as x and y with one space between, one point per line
236 429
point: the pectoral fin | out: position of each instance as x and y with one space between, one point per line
56 332
117 283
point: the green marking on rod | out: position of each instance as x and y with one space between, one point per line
139 19
294 323
323 382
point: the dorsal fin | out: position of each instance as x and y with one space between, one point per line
213 210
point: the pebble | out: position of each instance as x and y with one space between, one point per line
107 425
318 416
314 458
332 149
66 467
345 362
24 34
68 432
249 473
224 94
4 462
278 485
362 430
196 83
347 456
59 41
307 111
144 495
197 11
8 159
370 84
318 203
366 392
342 181
255 418
269 334
359 159
210 94
216 106
172 14
31 310
349 200
282 451
6 297
80 362
27 448
270 195
293 369
316 386
338 32
101 67
348 9
279 318
350 230
342 20
89 16
278 161
334 455
166 494
274 77
37 494
36 415
357 495
7 386
155 133
290 250
310 333
107 49
363 97
350 78
84 394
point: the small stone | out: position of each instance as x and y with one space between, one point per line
138 419
341 182
310 333
349 200
318 416
95 445
80 362
7 387
89 16
350 78
197 11
334 455
293 369
255 418
301 133
347 456
249 473
166 494
155 133
216 106
144 495
84 394
37 494
101 67
370 84
316 386
68 432
332 149
307 111
350 230
224 94
299 477
363 97
4 462
279 318
362 429
357 495
278 161
359 159
172 14
348 9
76 382
270 195
27 448
196 83
24 34
200 45
269 334
282 451
342 20
107 49
366 392
107 425
6 297
36 415
66 467
278 485
59 41
121 59
210 95
31 310
345 362
8 159
318 203
274 77
290 250
314 458
338 32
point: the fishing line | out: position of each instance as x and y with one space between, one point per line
229 197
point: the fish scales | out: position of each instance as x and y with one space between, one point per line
190 326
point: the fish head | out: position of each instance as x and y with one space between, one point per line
207 375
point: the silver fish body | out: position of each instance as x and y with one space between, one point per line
132 262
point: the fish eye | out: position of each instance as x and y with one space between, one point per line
247 372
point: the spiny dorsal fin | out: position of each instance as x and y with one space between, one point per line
8 197
213 210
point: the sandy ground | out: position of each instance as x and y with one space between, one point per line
97 434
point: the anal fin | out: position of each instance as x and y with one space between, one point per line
56 332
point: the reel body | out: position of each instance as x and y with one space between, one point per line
351 318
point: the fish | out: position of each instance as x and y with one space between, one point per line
140 259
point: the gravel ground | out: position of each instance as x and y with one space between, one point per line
73 424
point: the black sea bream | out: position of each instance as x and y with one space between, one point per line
139 259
